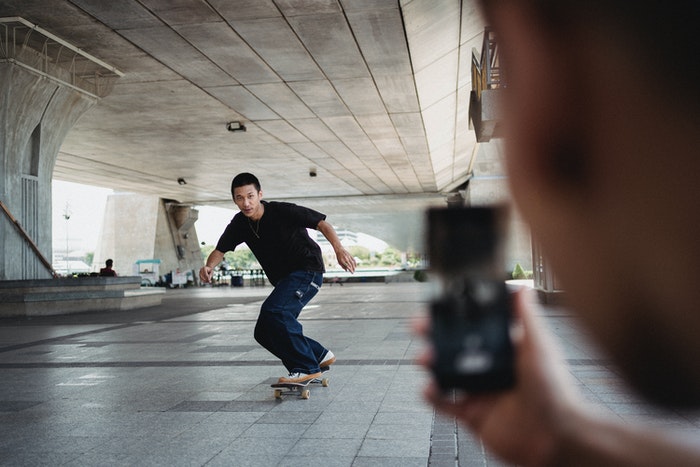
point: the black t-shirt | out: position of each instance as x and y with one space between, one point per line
279 241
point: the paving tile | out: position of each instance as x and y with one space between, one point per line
378 431
228 459
307 417
353 406
329 459
347 418
262 448
322 431
198 406
401 461
275 430
394 448
48 459
247 406
404 418
328 448
17 406
152 387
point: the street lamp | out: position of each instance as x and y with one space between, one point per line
66 216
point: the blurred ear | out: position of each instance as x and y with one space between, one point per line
545 105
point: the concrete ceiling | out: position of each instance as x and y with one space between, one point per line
371 94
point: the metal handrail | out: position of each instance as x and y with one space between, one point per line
486 70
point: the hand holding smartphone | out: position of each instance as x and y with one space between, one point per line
471 317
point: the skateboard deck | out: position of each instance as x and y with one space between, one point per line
300 389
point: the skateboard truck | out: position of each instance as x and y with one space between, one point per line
300 389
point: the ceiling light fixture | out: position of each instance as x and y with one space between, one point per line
235 126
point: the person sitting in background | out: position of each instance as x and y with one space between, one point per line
107 270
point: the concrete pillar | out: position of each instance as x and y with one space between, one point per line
142 227
36 113
548 288
489 185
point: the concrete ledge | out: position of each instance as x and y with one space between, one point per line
75 295
74 284
142 298
553 298
371 275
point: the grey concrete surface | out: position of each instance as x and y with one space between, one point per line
185 384
372 95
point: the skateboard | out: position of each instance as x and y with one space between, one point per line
300 389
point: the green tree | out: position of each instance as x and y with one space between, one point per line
361 252
206 250
413 259
241 258
390 257
518 272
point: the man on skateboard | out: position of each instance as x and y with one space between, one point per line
276 234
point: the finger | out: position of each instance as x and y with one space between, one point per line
349 264
444 402
472 410
527 326
205 275
421 325
426 357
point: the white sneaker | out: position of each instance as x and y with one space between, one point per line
298 378
328 360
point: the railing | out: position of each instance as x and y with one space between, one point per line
36 49
237 277
486 70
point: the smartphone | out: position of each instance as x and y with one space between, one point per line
472 313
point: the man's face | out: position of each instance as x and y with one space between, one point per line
247 198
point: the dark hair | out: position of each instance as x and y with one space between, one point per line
660 37
243 179
109 263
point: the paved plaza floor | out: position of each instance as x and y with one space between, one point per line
185 384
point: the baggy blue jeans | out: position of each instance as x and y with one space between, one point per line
278 329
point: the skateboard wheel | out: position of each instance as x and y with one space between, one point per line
305 394
278 394
324 382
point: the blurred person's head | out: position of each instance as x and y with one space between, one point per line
602 122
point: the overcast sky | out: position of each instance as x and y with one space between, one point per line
86 205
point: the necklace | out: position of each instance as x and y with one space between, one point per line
256 229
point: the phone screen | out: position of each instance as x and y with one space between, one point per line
471 317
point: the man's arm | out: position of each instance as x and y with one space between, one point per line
343 256
214 258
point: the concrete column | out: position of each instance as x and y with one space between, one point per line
142 227
36 113
489 185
